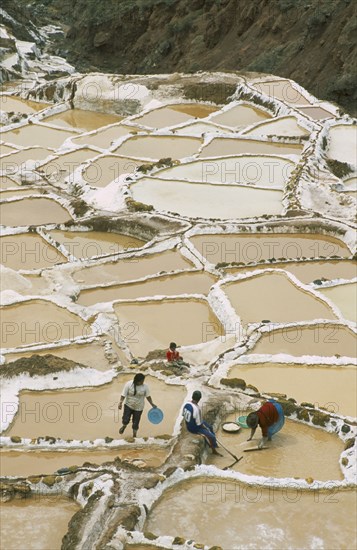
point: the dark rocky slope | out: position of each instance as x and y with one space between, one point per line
310 41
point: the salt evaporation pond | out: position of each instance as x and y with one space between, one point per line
283 90
297 451
181 283
216 511
42 135
30 463
324 340
245 248
255 170
197 200
275 297
82 120
316 113
92 413
343 143
129 269
283 126
91 354
345 298
58 169
86 244
7 183
219 147
172 115
103 170
200 128
17 193
158 147
12 163
5 149
36 211
18 105
142 334
309 271
240 115
28 251
49 515
104 138
39 321
329 386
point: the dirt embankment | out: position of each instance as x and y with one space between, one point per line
310 41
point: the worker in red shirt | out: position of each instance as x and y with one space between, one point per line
270 418
174 358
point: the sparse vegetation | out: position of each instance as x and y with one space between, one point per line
338 168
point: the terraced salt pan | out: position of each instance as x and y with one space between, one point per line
82 120
28 251
254 170
88 244
343 143
202 510
10 104
317 113
129 269
345 298
351 183
104 138
7 183
38 321
12 163
27 285
49 515
283 126
29 463
199 200
240 116
298 450
182 283
283 90
143 333
199 128
275 297
94 411
91 354
5 149
158 147
326 386
163 117
226 146
16 193
35 211
307 272
321 340
108 168
57 170
42 135
197 110
246 248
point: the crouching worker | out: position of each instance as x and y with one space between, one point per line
174 358
193 418
270 418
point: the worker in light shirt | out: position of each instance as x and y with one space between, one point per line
270 418
194 423
174 358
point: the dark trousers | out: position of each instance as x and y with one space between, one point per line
128 413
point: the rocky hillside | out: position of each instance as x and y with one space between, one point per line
310 41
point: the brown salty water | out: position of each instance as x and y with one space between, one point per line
92 413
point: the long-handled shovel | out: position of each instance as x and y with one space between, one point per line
236 459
